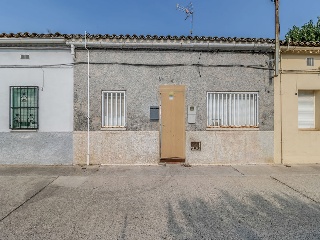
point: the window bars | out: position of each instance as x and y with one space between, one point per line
24 106
113 109
232 109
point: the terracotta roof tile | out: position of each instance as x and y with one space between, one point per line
134 36
155 37
300 44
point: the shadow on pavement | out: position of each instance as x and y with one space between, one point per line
251 217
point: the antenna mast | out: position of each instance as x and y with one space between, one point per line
189 13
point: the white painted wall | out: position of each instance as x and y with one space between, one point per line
55 86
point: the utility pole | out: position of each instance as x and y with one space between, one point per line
277 33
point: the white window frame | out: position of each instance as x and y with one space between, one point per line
306 109
232 110
109 121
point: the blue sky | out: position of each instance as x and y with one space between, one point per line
222 18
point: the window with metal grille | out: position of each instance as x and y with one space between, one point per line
306 109
232 109
113 109
24 106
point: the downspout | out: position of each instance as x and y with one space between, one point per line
88 117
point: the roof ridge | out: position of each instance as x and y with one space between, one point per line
134 36
157 37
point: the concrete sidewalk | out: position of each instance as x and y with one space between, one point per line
160 202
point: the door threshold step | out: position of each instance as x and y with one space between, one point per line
172 160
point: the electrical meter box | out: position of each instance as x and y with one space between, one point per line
154 113
192 111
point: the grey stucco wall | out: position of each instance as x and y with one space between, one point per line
143 147
230 147
141 72
55 148
117 147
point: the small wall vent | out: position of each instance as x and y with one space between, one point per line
195 146
24 56
310 61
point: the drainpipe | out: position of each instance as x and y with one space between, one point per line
88 117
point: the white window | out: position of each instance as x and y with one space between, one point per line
306 104
232 109
113 109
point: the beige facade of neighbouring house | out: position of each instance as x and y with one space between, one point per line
297 106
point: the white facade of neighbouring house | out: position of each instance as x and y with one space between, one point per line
36 101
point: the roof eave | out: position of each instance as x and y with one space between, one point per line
32 41
178 45
300 49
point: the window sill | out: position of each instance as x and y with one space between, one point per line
232 129
23 130
113 129
308 129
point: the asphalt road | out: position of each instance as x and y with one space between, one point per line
160 202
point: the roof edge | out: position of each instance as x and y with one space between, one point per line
190 45
31 40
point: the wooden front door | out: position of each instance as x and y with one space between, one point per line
172 123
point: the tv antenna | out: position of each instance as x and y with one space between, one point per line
189 13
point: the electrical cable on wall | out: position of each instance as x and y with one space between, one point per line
199 64
262 67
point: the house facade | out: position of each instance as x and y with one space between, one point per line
187 99
36 99
297 109
156 99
